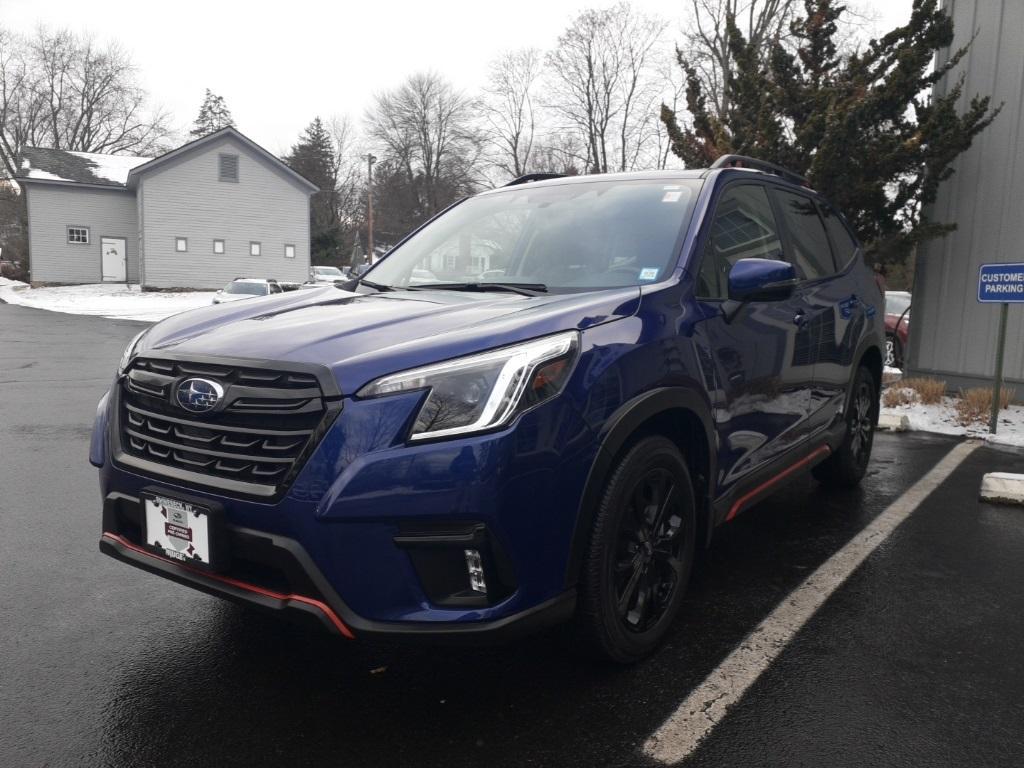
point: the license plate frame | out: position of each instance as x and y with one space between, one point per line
182 529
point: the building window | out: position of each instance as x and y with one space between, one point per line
228 168
289 251
181 244
254 249
78 235
218 246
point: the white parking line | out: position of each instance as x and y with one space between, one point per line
705 707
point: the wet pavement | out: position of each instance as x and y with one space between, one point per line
918 659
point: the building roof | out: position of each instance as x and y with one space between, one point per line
59 165
272 159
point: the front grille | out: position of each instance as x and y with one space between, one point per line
253 442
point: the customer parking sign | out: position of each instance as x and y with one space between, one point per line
1001 283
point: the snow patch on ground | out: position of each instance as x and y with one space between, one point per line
941 418
114 300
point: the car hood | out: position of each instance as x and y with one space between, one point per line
363 336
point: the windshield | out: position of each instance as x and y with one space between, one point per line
599 234
252 289
896 303
331 271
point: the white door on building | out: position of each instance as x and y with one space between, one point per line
115 260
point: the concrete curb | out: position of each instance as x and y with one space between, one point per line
892 422
1003 488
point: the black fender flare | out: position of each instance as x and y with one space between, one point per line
614 434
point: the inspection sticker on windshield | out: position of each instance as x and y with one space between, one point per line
672 196
649 273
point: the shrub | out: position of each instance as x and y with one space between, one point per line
930 391
975 404
897 396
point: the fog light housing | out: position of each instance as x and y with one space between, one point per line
459 565
475 566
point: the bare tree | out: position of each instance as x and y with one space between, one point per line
559 152
426 132
20 109
605 84
348 174
510 109
64 91
706 45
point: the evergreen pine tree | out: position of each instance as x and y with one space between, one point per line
864 128
213 115
313 157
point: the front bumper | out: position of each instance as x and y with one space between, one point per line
352 541
274 573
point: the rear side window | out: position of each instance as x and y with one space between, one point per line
744 227
811 255
843 244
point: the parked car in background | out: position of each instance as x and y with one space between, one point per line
469 459
327 275
897 327
246 288
422 276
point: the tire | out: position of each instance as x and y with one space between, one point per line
846 467
640 553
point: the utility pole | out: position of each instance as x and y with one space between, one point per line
370 160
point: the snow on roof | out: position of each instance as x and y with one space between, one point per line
44 164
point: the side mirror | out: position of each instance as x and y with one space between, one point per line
758 280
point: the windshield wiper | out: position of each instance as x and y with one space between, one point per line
376 286
523 289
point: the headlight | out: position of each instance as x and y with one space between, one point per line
129 352
472 394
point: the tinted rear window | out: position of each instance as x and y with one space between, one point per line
843 244
253 289
811 255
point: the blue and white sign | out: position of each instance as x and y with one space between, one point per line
999 283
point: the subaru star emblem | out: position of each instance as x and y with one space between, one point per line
199 395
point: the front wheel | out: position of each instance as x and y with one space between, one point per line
641 552
846 467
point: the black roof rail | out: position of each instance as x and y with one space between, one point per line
742 161
535 177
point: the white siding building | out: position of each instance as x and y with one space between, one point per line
952 336
199 216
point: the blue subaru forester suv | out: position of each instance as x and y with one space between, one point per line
533 410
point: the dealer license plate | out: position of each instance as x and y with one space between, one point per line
178 529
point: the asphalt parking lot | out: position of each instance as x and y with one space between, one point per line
916 659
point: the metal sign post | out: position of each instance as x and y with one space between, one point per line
1000 284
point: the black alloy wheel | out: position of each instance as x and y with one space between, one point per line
641 552
848 464
649 563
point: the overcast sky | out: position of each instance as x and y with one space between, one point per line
280 64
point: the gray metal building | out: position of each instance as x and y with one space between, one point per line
199 216
952 336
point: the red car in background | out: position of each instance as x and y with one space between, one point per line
897 327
